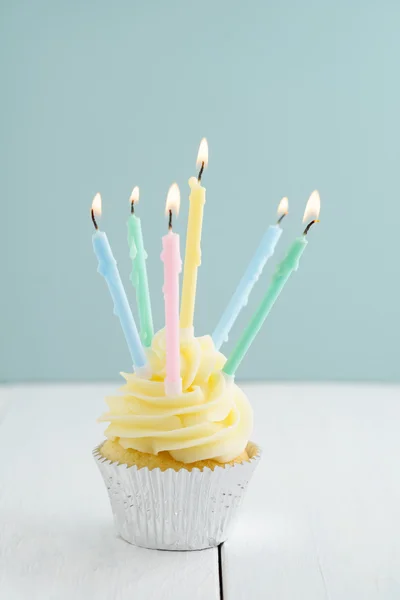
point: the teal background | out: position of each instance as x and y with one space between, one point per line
292 96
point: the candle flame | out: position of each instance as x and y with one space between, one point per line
202 156
173 199
283 207
134 196
96 205
312 208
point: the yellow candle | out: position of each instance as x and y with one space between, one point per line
197 200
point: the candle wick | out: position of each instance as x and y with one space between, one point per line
94 220
132 207
170 220
307 229
200 172
279 221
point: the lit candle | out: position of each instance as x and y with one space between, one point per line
197 200
171 258
241 296
283 271
108 268
139 272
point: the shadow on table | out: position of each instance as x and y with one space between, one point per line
70 559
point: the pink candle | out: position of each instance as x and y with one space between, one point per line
171 258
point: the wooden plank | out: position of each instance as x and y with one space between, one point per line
321 519
56 533
6 396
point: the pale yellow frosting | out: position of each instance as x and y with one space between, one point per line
211 419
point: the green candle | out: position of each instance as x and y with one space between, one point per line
283 271
139 272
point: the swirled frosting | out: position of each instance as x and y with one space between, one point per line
211 419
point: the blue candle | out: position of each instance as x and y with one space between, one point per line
108 268
251 275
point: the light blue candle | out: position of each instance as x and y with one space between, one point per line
241 296
282 273
108 268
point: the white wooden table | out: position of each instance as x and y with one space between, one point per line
321 519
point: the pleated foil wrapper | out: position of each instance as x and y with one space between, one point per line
176 510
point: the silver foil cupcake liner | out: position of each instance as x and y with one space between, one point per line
176 510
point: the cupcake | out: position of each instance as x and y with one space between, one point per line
176 468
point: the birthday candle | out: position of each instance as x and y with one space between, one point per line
283 271
197 200
139 272
241 296
172 267
108 268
